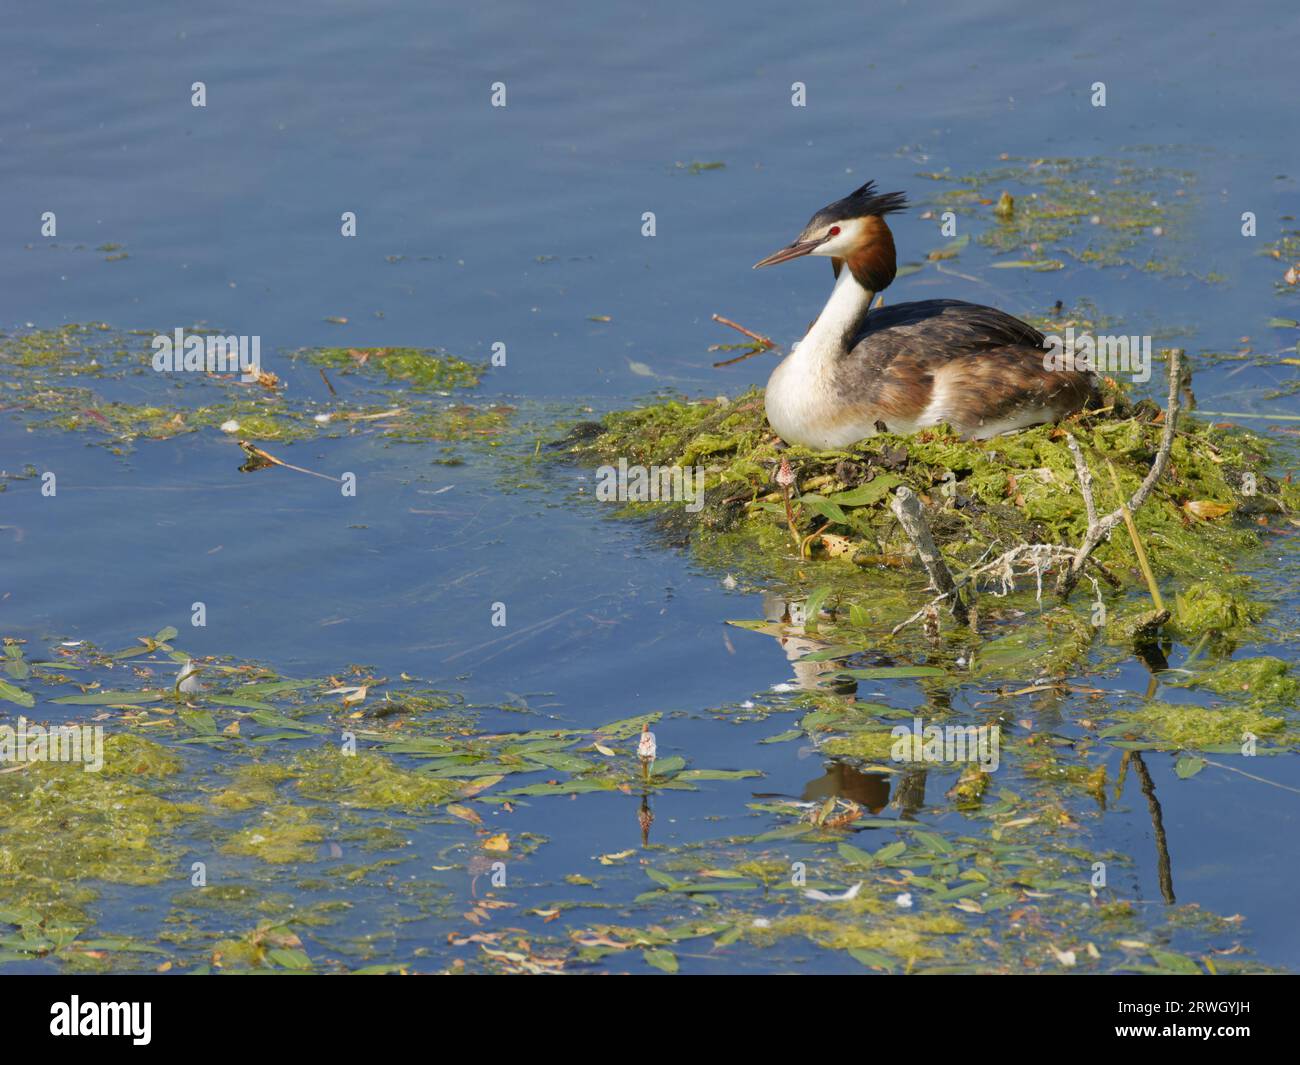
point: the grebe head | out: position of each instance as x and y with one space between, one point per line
851 231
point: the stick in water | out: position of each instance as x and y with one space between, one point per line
763 343
907 508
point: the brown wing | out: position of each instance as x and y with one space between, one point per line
981 368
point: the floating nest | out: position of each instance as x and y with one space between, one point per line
1217 500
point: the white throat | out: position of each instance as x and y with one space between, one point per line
832 333
802 399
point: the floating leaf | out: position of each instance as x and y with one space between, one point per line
891 672
812 609
103 698
200 721
718 774
1175 963
15 694
288 958
666 767
873 959
275 719
1030 264
14 664
950 251
661 959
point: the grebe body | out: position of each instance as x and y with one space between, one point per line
899 369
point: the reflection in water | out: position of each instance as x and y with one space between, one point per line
645 816
1163 868
809 676
909 796
870 790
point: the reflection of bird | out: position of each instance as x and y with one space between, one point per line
809 676
911 365
870 790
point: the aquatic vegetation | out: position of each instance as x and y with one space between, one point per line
419 369
89 379
1286 251
283 834
1263 680
369 780
252 768
1196 728
1099 211
1019 488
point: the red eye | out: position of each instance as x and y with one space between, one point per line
834 231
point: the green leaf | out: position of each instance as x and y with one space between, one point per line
891 672
571 787
949 251
705 887
243 704
1176 963
812 608
660 877
661 959
820 505
856 855
934 842
831 653
14 664
200 721
1188 765
274 719
666 767
15 694
718 774
890 851
1029 264
111 698
288 958
872 959
784 832
1283 323
628 726
270 687
868 494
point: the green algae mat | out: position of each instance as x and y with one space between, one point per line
267 811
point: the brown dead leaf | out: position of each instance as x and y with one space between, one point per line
464 813
1206 509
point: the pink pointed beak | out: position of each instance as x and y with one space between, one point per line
793 251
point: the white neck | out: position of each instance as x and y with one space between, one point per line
833 331
804 402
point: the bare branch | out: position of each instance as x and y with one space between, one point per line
1099 528
907 508
761 342
1085 478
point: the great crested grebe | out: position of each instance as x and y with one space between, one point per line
911 365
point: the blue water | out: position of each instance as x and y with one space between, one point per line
479 225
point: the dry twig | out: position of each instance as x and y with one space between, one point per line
1100 528
761 342
907 508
